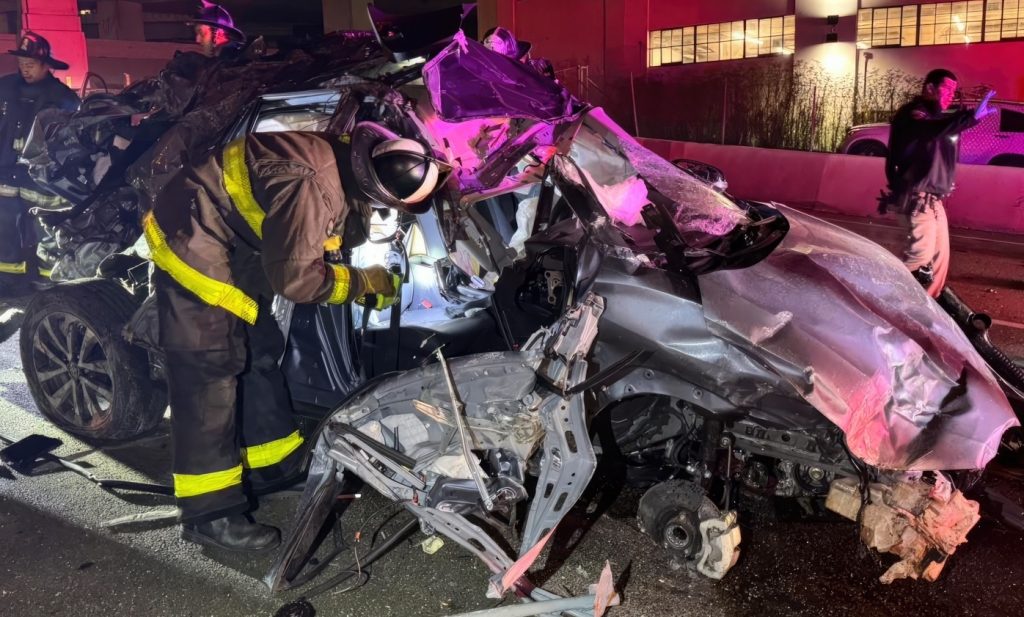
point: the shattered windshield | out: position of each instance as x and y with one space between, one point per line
622 173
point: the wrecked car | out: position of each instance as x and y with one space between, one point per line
573 277
741 347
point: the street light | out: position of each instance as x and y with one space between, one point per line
868 56
856 76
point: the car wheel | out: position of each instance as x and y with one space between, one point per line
1008 160
868 147
668 514
83 375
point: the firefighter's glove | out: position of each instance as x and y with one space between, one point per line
381 288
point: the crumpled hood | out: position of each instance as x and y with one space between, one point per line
844 322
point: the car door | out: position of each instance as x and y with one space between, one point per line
1008 139
978 144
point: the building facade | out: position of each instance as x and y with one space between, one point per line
785 73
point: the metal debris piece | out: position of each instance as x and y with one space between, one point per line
535 608
458 409
432 412
144 521
921 523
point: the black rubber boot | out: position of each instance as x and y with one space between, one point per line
233 533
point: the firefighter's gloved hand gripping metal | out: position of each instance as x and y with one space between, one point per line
383 287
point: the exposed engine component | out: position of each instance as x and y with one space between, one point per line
555 282
659 435
921 522
679 517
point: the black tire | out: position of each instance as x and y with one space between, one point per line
93 383
1008 160
868 147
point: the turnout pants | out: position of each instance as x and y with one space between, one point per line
231 415
927 242
17 238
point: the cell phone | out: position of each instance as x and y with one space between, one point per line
22 454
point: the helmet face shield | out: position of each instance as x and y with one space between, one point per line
395 171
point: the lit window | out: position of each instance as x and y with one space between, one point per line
887 27
941 23
1004 19
731 40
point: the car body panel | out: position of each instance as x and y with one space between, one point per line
996 139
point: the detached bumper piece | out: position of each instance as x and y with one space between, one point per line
921 522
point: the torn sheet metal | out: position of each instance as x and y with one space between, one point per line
468 81
402 436
838 317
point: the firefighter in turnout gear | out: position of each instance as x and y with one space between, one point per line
226 234
215 31
23 95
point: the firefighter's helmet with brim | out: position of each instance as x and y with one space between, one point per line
395 171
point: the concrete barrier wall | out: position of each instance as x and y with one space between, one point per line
113 59
987 198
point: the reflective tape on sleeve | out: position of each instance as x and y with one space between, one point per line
43 200
236 183
342 284
209 290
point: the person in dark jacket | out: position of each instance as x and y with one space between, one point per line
226 235
23 95
920 168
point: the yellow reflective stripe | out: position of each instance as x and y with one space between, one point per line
9 191
342 284
186 485
209 290
236 182
45 272
13 268
41 199
271 453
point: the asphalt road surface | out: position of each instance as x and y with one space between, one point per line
57 559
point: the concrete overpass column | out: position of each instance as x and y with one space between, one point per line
58 21
121 20
345 15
